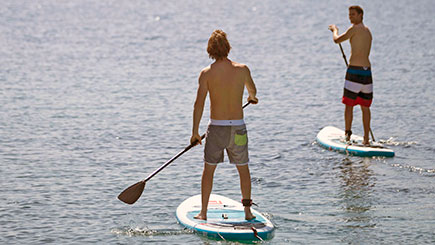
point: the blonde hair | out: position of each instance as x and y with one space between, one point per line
218 46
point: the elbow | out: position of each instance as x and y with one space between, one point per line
336 40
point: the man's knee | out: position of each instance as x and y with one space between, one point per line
349 108
365 109
243 169
209 168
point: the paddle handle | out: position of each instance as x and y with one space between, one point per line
179 154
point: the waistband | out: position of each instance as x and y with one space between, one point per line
365 68
238 122
359 70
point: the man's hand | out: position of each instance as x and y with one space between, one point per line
195 138
253 100
333 28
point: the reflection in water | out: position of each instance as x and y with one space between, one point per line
356 187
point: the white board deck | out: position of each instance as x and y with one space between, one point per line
333 139
225 220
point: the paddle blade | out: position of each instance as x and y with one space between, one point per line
132 193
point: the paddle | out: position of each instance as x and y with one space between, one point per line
344 56
347 65
133 192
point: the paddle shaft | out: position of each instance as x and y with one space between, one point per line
344 56
178 155
347 65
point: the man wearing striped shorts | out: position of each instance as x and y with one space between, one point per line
358 86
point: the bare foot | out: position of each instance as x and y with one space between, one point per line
201 216
249 215
366 141
347 135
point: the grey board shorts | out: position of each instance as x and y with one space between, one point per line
233 139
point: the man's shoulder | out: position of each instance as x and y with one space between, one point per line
360 27
352 28
205 69
204 74
241 67
238 65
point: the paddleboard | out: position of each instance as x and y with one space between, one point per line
333 139
225 220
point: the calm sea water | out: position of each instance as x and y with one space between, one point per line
95 95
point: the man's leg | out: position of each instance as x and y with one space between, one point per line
348 117
245 187
206 187
366 116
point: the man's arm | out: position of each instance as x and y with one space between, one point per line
250 86
198 107
343 37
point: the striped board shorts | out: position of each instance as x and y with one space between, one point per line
358 86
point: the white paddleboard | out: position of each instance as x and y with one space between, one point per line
225 220
333 139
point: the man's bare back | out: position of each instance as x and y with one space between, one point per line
360 42
226 81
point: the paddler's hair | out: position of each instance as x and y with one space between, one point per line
358 9
218 46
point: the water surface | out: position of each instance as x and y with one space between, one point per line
95 95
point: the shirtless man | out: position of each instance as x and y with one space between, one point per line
225 80
358 86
